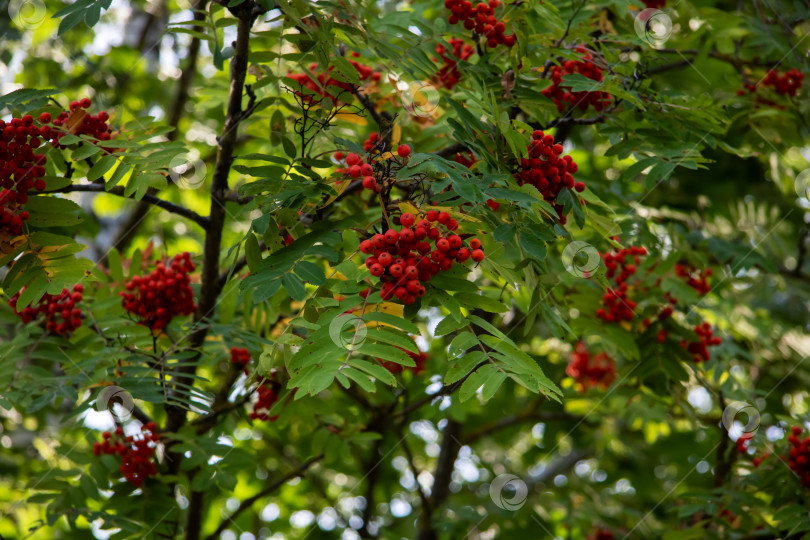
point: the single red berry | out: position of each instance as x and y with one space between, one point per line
369 182
339 155
475 243
85 103
432 215
404 150
45 118
354 171
352 159
406 220
444 218
477 255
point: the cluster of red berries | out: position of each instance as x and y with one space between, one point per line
268 395
448 75
240 357
562 94
548 170
403 259
80 122
698 280
600 534
420 359
60 311
162 294
742 442
357 167
370 144
136 453
590 371
21 169
481 19
700 349
799 456
321 83
788 83
619 266
465 158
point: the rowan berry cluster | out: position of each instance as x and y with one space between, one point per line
600 534
562 94
404 259
268 393
481 19
162 294
320 85
742 442
240 357
787 84
136 453
420 359
619 267
700 349
357 167
548 170
60 311
590 371
697 279
448 75
22 169
79 122
799 455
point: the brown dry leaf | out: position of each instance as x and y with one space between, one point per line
508 83
75 120
604 24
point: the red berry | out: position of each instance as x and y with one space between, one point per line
475 243
45 118
406 220
352 159
404 150
432 215
477 255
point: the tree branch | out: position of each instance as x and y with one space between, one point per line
247 503
147 199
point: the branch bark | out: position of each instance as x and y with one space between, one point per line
148 200
247 503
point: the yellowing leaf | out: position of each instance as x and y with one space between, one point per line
352 118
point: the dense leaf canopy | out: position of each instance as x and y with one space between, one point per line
347 269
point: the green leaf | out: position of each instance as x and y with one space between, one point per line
253 253
104 164
535 248
449 324
294 286
310 272
481 302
